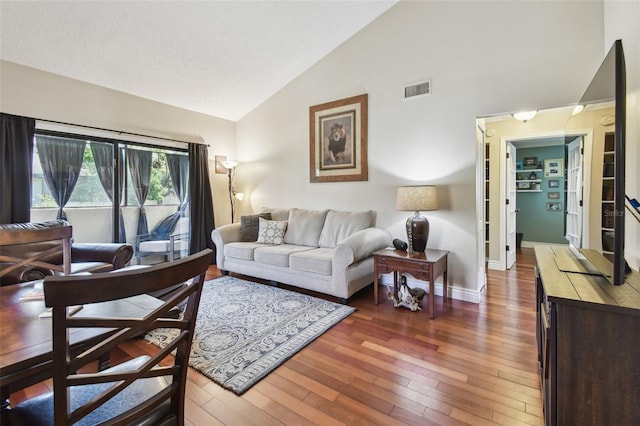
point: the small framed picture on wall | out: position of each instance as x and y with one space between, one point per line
554 167
554 207
554 183
553 195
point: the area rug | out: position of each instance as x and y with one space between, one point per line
245 330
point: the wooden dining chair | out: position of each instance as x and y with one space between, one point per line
145 390
26 246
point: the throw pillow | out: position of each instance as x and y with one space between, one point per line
304 227
271 231
249 226
339 225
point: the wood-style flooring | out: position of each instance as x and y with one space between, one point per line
475 364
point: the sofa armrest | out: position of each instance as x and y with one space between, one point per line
220 236
117 254
363 243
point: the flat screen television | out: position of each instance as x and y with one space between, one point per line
609 84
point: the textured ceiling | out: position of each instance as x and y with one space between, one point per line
221 58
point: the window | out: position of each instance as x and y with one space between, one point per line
75 177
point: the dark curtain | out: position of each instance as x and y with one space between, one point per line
103 157
140 167
179 170
16 153
201 211
61 161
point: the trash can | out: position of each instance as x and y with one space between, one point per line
518 239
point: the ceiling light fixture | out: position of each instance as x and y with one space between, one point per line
578 109
525 115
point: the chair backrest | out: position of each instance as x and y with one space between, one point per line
42 245
62 292
165 227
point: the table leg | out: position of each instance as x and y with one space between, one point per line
445 285
432 295
376 296
395 283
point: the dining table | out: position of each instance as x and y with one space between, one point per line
26 339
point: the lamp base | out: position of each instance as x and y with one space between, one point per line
417 232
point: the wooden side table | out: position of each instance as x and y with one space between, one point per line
426 266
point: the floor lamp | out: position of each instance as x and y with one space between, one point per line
233 195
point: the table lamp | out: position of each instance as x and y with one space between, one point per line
417 198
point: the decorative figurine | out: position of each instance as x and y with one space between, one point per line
400 245
408 297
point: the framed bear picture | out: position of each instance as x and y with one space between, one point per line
338 140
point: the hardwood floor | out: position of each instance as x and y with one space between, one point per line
474 364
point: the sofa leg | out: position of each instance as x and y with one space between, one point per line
225 273
273 283
342 301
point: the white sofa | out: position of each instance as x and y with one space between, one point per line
326 251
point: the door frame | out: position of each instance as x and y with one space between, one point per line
501 263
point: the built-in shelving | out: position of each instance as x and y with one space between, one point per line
528 180
487 172
608 173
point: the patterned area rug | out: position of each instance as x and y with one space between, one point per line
245 330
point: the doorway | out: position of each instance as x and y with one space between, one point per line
546 130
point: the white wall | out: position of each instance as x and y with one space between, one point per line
483 58
622 21
33 93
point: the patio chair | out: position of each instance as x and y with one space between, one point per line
143 390
169 238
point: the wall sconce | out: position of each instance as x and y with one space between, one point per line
417 198
230 166
525 115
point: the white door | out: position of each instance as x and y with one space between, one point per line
574 193
511 206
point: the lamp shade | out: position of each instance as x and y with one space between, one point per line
417 198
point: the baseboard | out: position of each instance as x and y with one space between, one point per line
456 293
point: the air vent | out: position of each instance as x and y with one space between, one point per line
418 89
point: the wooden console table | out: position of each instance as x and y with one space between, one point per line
427 266
588 333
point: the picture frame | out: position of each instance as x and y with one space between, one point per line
554 183
338 140
554 167
553 195
554 207
530 162
524 185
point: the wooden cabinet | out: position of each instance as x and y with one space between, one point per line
588 333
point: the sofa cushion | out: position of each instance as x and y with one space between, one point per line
241 250
276 214
305 227
317 260
277 255
340 225
271 231
249 226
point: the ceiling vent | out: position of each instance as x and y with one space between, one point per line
417 89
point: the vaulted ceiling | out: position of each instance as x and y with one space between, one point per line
221 58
